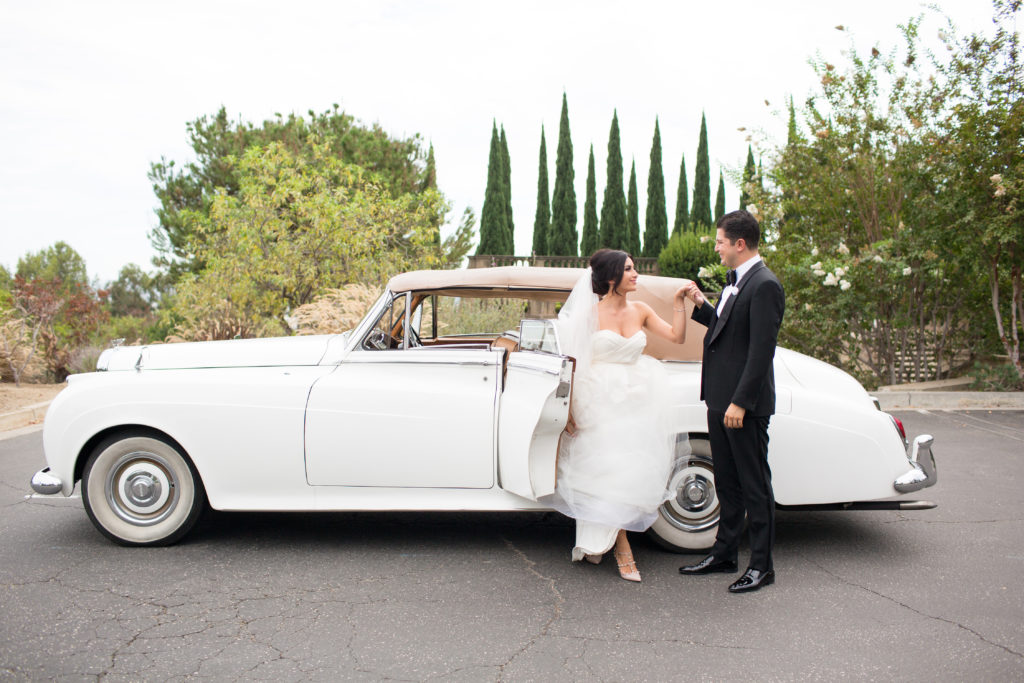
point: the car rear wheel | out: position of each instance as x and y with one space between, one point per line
140 490
689 520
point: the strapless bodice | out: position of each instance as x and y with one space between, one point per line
611 347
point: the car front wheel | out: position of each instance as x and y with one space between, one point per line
140 490
688 521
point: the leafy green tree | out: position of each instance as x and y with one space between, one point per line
686 254
6 280
983 171
542 219
60 262
510 227
614 233
720 198
749 171
701 212
215 140
875 219
134 293
656 225
563 238
493 217
591 238
682 222
296 227
632 215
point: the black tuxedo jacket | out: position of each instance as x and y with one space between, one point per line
739 346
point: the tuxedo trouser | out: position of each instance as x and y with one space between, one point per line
743 481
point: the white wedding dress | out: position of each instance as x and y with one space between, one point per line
614 472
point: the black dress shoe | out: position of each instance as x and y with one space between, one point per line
709 565
752 580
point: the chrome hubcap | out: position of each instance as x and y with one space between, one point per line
695 505
141 488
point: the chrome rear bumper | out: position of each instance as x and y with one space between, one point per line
922 473
45 483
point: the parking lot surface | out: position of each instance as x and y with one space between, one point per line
925 595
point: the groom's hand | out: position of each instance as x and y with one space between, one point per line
734 416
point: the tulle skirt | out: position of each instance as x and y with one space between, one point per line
614 472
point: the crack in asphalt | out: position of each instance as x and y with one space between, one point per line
917 611
556 611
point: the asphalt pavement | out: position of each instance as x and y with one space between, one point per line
919 596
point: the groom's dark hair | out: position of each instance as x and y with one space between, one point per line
737 224
607 266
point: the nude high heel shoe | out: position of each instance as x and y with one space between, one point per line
594 559
624 558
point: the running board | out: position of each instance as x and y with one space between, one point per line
863 505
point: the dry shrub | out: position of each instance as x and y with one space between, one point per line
217 322
335 311
17 345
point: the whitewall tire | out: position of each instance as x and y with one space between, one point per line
141 490
689 521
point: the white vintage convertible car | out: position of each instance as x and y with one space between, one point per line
451 394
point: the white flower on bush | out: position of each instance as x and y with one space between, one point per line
831 280
808 306
752 208
818 273
704 238
814 251
996 179
844 285
907 270
840 272
816 266
704 272
1000 191
878 259
843 249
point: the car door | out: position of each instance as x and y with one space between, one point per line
534 407
390 415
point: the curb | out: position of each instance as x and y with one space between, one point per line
24 417
950 400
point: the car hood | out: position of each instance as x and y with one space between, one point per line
815 375
236 353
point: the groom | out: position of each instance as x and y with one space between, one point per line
738 387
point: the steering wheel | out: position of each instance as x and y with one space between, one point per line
378 339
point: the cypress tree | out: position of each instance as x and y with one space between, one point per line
430 183
430 173
613 210
591 238
720 198
542 220
493 217
793 135
656 225
701 213
562 237
748 177
633 215
682 223
510 228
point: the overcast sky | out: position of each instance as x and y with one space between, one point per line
94 92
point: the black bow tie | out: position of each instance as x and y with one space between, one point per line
730 277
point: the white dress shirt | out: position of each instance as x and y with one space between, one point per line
733 289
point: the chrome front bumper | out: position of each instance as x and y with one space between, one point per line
922 473
45 483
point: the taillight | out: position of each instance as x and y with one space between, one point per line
899 427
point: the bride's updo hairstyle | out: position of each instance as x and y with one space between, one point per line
606 266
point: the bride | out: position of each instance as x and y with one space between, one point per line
616 458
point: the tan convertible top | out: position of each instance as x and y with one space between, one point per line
554 284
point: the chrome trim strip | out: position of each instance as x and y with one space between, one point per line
45 483
533 368
922 461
